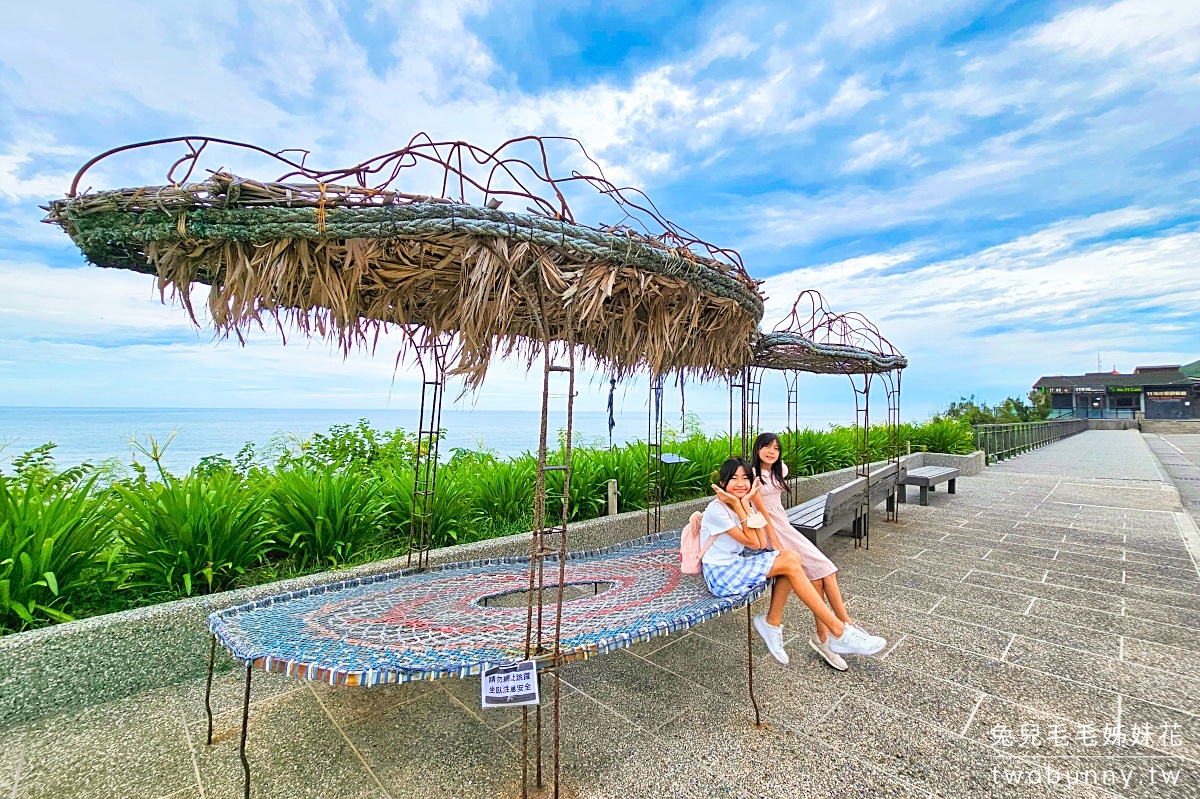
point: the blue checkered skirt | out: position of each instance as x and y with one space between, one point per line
747 572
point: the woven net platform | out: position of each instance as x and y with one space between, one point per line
405 626
345 261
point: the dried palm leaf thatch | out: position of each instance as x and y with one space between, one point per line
813 338
790 351
349 264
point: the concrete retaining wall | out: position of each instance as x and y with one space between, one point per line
1170 426
1112 424
109 657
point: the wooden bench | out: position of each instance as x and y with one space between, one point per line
842 507
926 478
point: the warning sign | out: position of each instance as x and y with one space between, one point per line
510 686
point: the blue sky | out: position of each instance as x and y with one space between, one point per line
1006 188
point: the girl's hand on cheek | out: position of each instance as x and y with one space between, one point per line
753 490
724 496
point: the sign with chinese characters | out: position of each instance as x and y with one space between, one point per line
1088 389
510 686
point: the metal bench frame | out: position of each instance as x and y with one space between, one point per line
845 506
926 478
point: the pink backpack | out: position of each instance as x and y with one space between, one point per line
690 551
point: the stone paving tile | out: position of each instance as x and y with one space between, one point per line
944 763
1130 627
1000 606
1133 498
435 747
1130 679
1017 684
645 695
1156 719
596 744
962 591
1158 656
1074 755
1042 627
347 705
1029 589
920 601
293 748
132 748
966 636
228 692
903 567
779 760
1163 583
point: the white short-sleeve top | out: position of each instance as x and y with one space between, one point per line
717 520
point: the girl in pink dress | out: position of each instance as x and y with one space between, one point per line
772 474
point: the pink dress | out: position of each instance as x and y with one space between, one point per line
816 565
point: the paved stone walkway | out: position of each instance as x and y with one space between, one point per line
1180 457
1049 605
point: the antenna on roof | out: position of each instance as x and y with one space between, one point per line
1099 368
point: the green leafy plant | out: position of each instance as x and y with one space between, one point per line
53 532
360 446
946 435
192 535
326 517
502 491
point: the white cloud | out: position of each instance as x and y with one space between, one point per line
875 149
20 176
851 96
1163 32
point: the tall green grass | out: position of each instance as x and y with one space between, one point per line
53 534
324 517
191 535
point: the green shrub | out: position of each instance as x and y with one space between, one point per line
53 532
360 446
819 452
326 517
501 490
945 435
192 535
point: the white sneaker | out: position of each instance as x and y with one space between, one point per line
773 637
831 657
854 641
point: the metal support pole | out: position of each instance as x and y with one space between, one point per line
537 734
212 656
245 725
750 661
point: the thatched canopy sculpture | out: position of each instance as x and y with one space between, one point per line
345 255
814 339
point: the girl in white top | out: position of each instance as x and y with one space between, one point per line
734 564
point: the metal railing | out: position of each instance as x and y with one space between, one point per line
1094 413
1000 441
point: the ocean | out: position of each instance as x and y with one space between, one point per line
100 434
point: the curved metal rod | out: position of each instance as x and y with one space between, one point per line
506 176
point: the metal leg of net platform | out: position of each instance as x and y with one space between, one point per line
212 656
242 745
750 661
